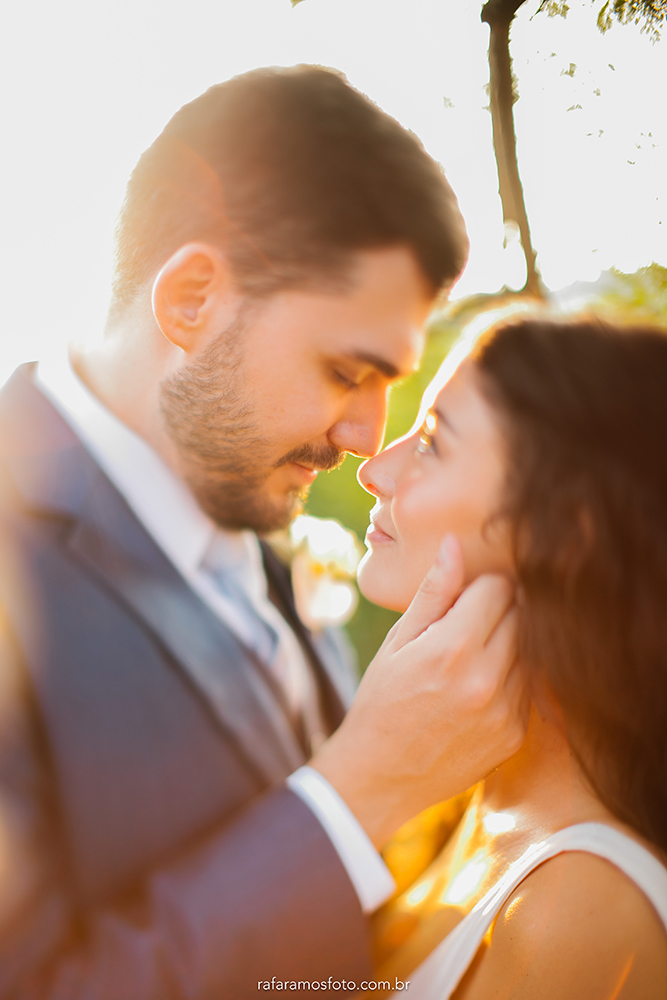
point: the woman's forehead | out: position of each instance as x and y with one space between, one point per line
450 382
462 405
433 392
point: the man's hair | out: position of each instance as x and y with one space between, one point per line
289 171
586 422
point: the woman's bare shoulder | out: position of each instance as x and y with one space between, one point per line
577 928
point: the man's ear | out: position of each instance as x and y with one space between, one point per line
190 295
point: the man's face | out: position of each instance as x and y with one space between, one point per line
301 379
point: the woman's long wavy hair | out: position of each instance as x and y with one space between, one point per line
584 406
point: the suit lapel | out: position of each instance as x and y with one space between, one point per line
227 674
54 472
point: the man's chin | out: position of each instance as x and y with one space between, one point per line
262 514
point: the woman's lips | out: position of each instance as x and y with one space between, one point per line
376 536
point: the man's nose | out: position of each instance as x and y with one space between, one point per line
360 429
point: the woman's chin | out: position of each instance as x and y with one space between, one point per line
379 588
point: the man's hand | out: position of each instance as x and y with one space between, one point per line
439 707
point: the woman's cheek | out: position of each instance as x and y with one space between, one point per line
423 519
420 537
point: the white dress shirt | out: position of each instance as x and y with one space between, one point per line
168 511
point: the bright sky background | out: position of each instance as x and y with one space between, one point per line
86 87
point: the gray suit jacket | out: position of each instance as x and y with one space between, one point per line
153 849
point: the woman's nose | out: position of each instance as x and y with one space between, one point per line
378 475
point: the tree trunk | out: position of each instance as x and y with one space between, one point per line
499 14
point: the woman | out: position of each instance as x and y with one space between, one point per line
545 455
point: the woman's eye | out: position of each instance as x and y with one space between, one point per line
426 435
425 442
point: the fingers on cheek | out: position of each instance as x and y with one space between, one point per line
506 724
481 690
505 634
448 662
516 738
461 668
495 593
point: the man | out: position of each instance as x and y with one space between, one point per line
278 251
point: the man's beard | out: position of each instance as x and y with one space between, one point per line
223 453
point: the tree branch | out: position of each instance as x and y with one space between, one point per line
498 14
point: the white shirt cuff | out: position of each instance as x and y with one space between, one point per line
368 873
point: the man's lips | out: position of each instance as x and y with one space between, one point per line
304 472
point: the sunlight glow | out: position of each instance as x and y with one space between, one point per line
87 87
328 542
419 893
323 569
464 885
499 822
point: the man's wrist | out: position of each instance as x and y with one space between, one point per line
367 871
379 807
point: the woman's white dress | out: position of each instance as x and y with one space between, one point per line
438 975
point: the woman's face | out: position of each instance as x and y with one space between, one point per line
447 476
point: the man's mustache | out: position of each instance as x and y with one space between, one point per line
324 459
